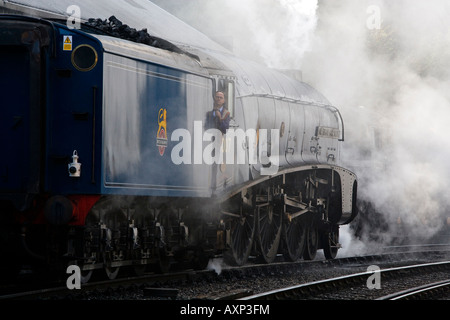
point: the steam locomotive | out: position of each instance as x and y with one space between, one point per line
107 161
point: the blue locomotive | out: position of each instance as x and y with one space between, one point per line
109 159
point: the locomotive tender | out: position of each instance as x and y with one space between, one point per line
92 131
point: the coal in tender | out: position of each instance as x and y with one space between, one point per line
114 27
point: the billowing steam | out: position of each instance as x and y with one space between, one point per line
274 32
386 66
216 264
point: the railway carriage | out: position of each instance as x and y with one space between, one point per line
107 162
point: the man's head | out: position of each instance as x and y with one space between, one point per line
219 99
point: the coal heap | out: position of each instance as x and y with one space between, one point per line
114 27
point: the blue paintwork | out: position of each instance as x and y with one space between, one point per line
14 120
70 114
136 90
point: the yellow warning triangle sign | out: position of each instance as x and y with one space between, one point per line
67 40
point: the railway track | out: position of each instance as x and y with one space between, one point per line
427 291
339 288
177 285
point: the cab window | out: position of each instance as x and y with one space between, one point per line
228 87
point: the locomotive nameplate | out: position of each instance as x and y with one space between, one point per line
326 132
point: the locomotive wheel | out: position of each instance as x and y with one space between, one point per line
312 243
330 241
112 272
200 260
164 239
294 237
139 270
88 260
242 231
86 276
163 264
269 222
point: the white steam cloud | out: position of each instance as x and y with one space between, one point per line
391 83
279 31
274 32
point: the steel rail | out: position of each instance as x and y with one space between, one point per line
303 291
227 272
419 292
